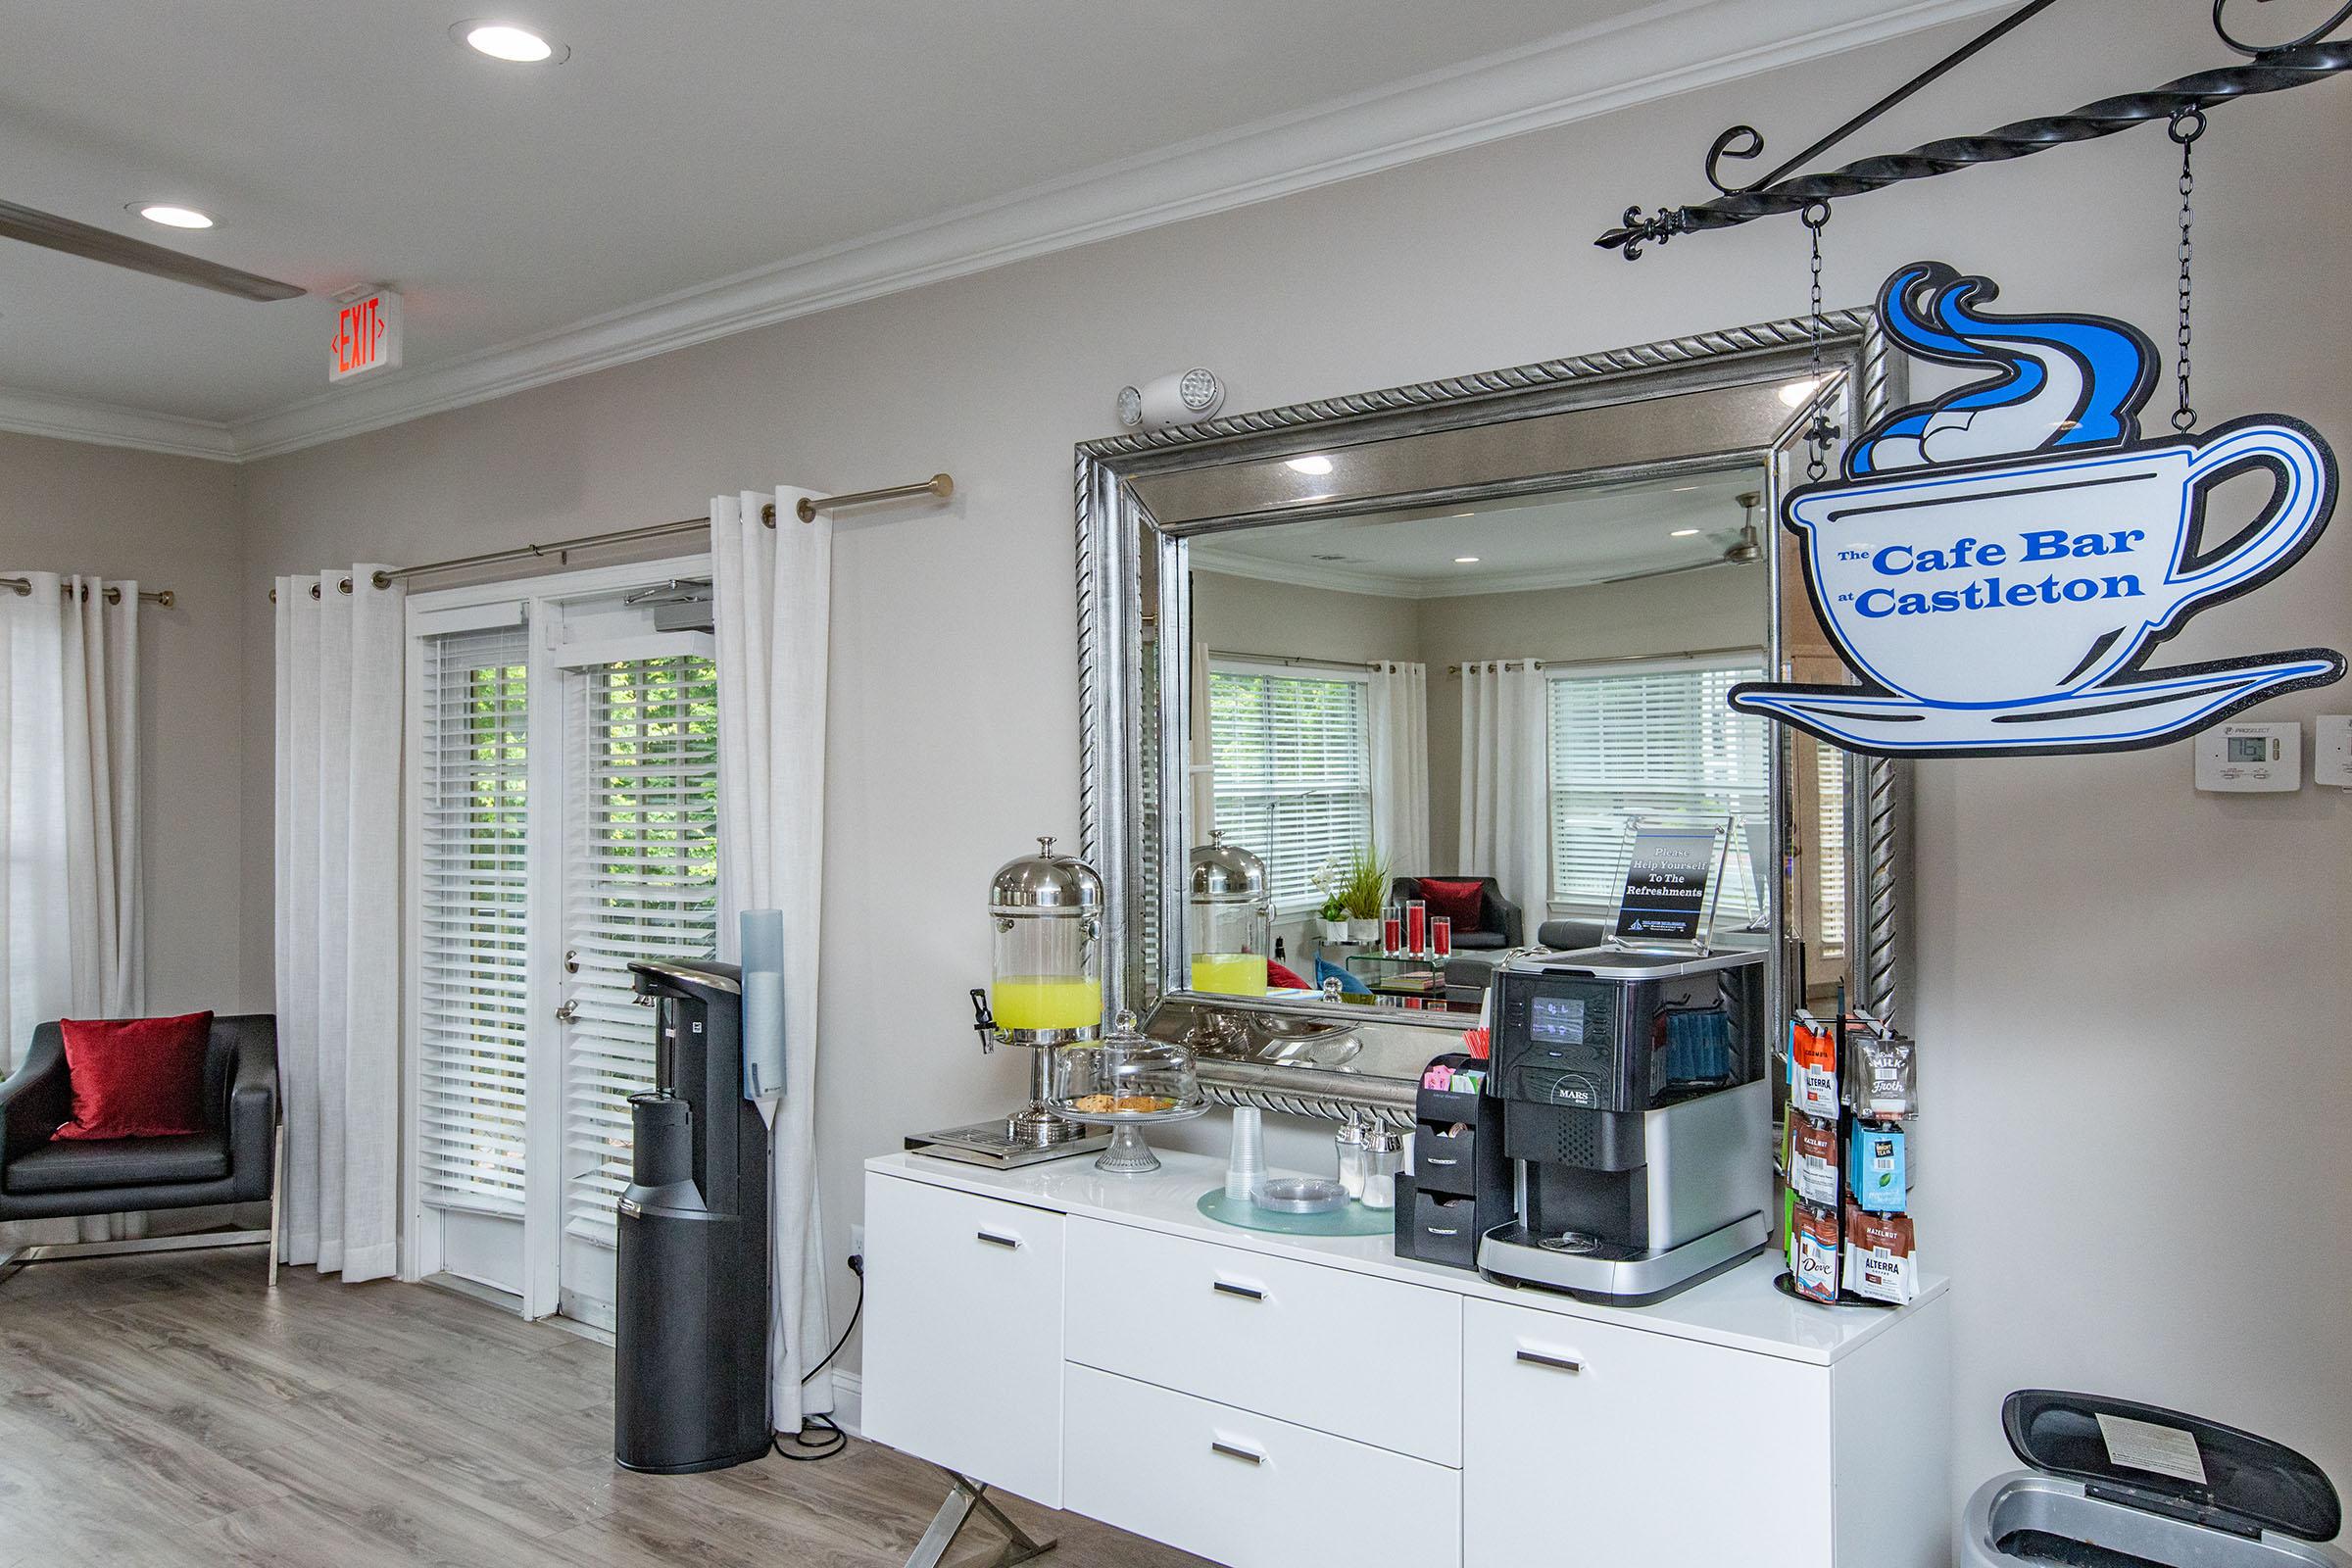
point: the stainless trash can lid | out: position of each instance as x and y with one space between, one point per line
2179 1466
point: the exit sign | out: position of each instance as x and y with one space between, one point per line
367 336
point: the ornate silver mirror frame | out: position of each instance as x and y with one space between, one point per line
1140 497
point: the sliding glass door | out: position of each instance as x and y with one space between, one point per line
564 822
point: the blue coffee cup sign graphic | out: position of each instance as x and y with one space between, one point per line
1998 566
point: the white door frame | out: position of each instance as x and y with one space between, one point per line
542 598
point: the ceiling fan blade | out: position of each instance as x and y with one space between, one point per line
120 250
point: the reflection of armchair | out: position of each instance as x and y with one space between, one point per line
1498 924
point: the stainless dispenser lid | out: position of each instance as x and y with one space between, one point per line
1044 881
1225 872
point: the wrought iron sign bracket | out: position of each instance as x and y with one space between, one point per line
2273 68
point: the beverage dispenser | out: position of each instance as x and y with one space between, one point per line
1229 919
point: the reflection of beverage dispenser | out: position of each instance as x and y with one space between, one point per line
1228 920
691 1308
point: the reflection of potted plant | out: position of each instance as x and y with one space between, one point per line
1366 893
1331 880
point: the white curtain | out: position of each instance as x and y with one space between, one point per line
1507 782
341 659
773 591
72 932
1398 722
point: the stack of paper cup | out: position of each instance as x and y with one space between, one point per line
1245 1169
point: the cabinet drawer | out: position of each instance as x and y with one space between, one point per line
1248 1491
1649 1452
1362 1358
1445 1162
962 1361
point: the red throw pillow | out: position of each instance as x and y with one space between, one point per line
1458 901
137 1077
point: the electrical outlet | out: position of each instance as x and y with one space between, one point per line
857 1240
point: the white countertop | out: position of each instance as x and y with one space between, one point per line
1742 1308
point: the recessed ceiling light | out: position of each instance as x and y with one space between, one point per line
502 40
1796 392
1314 463
172 215
1465 561
1682 534
1683 489
1465 514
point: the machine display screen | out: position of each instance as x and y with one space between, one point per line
1558 1021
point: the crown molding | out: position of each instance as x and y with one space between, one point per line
1672 47
110 424
1379 585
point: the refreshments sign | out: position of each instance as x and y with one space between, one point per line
367 336
1998 566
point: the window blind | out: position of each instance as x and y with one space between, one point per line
641 881
1650 742
1829 852
1294 775
474 970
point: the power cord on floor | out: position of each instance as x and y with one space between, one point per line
829 1439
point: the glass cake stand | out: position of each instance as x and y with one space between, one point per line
1126 1083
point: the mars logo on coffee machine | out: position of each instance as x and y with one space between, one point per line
1998 564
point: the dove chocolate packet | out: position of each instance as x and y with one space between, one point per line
1813 1244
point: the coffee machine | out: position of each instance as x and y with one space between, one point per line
1637 1115
691 1314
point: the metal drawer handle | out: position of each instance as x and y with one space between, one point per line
1243 1454
1558 1363
1448 1230
1435 1160
1248 1293
1008 1243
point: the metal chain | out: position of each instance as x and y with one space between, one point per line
1819 433
2187 125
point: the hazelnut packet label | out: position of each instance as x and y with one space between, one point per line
1882 1261
1813 1163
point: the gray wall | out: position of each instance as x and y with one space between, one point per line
2132 995
171 522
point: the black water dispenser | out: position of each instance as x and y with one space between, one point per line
690 1388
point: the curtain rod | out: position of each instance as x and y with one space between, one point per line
114 596
940 485
1613 659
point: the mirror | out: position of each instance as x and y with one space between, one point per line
1378 690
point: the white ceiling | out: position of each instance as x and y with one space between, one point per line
1522 544
829 150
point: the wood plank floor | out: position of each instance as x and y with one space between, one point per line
165 1410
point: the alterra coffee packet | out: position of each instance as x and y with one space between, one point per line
1813 1162
1813 1253
1881 1260
1813 1071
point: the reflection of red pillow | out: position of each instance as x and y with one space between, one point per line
137 1077
1458 901
1283 979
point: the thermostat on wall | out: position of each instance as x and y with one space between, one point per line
2250 758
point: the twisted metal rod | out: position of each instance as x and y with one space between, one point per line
2276 71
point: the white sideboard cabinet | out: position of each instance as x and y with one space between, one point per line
1092 1343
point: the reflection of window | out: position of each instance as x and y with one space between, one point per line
1829 837
1647 739
1293 777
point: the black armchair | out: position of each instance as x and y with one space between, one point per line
1498 920
234 1159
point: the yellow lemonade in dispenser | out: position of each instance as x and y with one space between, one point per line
1047 1002
1230 974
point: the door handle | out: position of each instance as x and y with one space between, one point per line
1010 1243
1232 1453
1248 1293
1558 1363
566 1012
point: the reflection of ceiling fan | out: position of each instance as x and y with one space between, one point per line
1743 551
56 233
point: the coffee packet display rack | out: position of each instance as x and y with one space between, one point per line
1852 1090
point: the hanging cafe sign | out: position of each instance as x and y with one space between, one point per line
1999 563
1996 566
